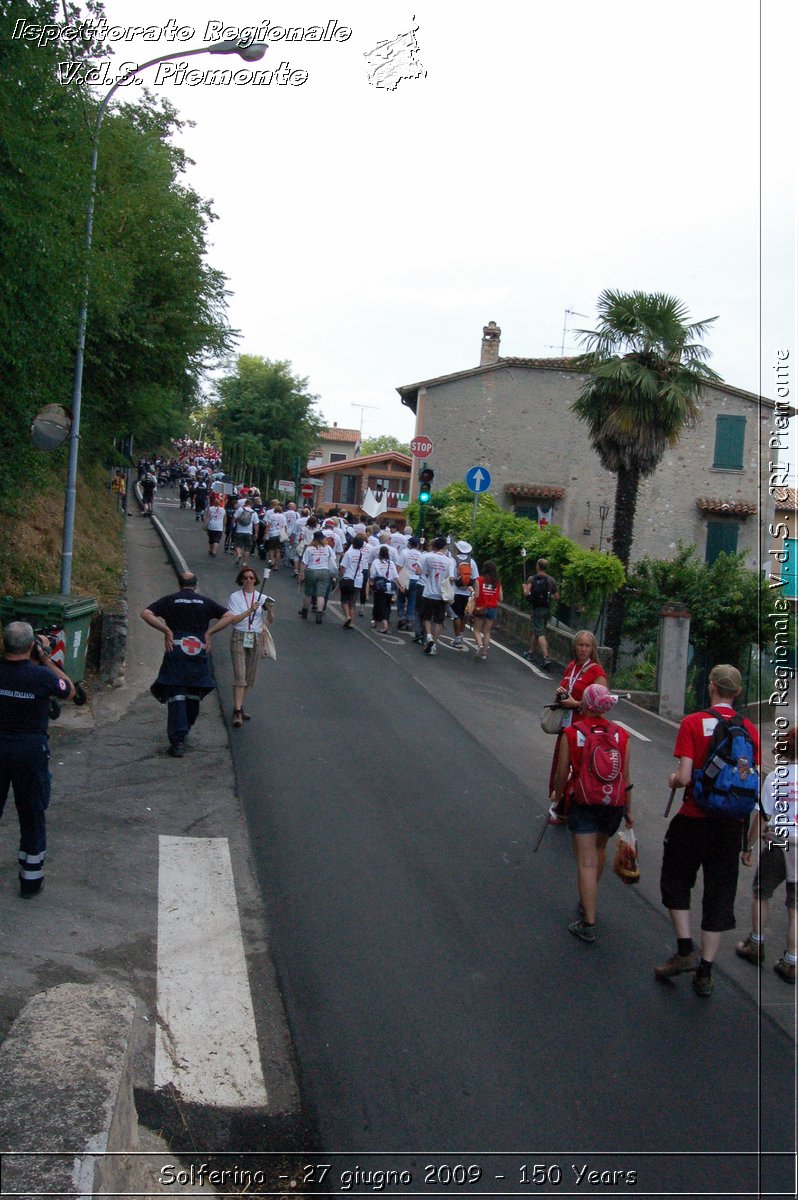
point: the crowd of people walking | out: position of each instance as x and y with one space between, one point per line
422 588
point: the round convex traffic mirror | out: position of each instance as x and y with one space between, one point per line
50 427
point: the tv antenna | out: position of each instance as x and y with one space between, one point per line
361 407
568 312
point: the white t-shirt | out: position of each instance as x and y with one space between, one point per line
458 587
434 569
354 564
320 557
251 526
239 603
411 559
387 570
215 518
780 801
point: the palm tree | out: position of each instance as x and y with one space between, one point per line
646 370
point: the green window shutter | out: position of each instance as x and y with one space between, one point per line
729 442
789 569
721 539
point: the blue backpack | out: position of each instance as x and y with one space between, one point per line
728 783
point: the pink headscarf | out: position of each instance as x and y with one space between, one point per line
598 699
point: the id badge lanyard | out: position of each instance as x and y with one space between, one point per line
249 636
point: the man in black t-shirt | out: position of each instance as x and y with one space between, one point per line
28 680
186 674
540 590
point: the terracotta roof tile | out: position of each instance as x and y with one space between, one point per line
731 508
531 491
334 434
786 499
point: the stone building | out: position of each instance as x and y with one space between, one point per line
512 416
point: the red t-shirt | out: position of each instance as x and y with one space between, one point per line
487 593
692 741
576 679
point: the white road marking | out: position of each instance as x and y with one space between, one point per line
206 1043
629 729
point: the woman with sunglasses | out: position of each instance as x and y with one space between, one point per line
247 644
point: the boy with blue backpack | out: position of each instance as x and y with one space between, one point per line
718 753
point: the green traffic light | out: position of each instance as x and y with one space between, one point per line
423 497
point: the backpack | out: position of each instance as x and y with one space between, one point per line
539 592
244 517
728 783
464 573
600 778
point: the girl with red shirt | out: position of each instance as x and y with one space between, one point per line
487 598
583 670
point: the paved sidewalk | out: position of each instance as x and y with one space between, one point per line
115 791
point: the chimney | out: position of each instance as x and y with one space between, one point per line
491 336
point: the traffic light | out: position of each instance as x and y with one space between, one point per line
426 476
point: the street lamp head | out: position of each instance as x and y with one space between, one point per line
250 53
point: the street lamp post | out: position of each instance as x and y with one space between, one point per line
603 514
249 54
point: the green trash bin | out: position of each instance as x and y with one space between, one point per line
65 619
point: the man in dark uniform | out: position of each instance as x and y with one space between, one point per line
186 674
28 679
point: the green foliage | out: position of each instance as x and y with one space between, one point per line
723 599
586 577
265 417
385 441
156 309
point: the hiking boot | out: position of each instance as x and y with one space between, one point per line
753 951
580 929
678 964
703 984
785 970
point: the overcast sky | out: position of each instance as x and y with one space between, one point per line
551 150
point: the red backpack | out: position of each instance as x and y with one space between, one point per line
600 778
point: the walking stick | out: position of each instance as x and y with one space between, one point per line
541 833
670 802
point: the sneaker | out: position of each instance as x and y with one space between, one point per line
177 750
482 654
580 929
238 718
528 655
703 984
546 664
419 638
457 643
303 612
753 951
431 648
678 964
785 970
428 646
319 618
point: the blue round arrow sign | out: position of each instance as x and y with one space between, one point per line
477 479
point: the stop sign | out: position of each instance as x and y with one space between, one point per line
421 446
307 490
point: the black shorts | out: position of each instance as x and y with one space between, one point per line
214 535
459 604
348 589
274 542
712 844
433 610
771 872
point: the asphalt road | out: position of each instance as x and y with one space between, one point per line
436 1000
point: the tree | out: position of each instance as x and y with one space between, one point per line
646 371
266 418
385 441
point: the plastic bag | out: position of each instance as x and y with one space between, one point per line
626 865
